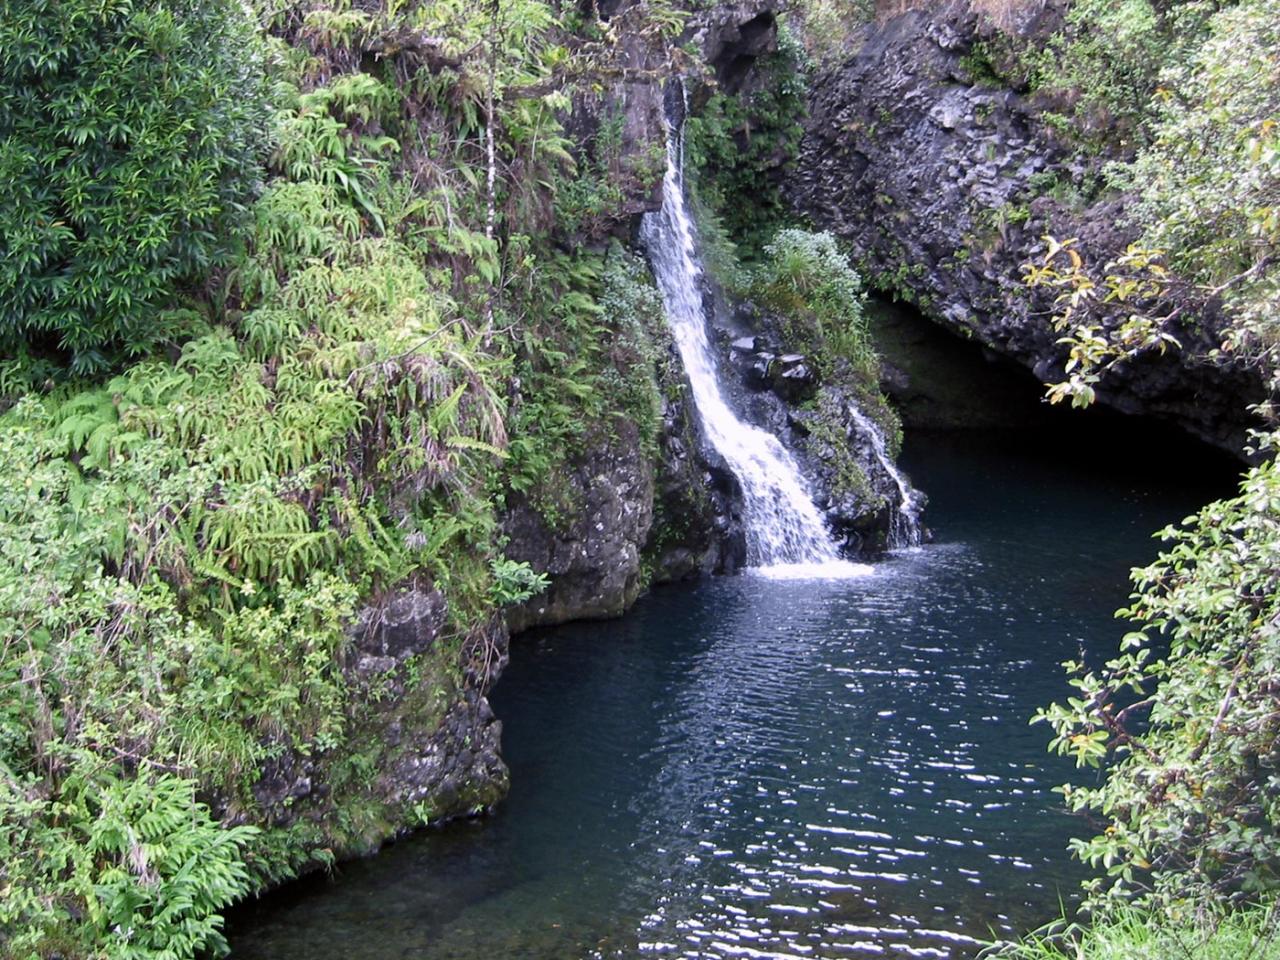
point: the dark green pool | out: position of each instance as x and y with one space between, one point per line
751 768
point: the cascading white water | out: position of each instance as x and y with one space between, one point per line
904 528
786 536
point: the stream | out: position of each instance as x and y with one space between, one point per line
755 767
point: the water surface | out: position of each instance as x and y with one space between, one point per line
758 768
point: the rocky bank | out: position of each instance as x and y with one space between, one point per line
945 181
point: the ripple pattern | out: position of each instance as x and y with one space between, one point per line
752 768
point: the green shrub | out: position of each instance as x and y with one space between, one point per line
1107 60
183 550
148 864
827 28
806 278
130 132
1210 181
1187 715
737 145
632 307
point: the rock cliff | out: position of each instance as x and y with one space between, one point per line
426 737
633 520
945 181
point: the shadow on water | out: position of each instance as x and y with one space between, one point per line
746 767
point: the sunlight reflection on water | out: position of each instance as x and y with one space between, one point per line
816 767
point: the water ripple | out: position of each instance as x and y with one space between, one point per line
771 767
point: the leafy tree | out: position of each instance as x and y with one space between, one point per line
1208 191
129 136
1188 713
1105 64
1187 716
1210 181
1106 320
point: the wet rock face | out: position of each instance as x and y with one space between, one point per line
829 438
633 153
452 768
635 517
782 391
629 519
791 376
592 556
945 188
458 770
429 732
698 502
732 36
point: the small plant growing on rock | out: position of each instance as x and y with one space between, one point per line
807 279
1104 322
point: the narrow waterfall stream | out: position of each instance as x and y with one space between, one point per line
905 525
786 536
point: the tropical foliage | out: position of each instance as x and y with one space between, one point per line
130 139
1184 719
289 307
185 547
1104 322
739 147
1187 713
333 411
1104 65
1210 180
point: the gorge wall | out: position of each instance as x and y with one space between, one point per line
630 516
945 180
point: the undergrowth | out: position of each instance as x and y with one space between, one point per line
739 146
1208 933
338 411
185 546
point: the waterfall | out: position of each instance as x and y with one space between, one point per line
904 527
786 536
